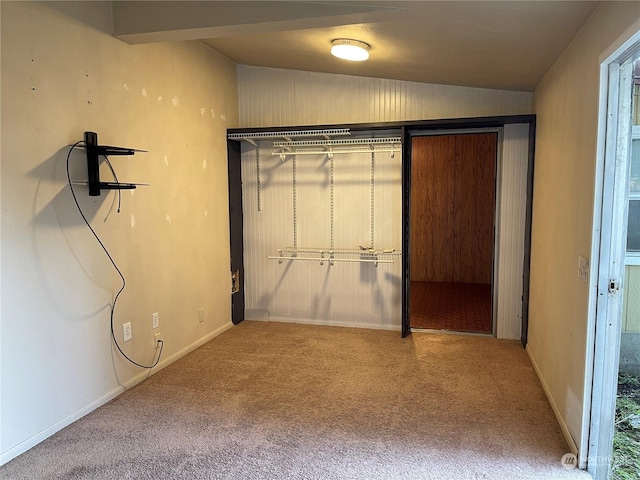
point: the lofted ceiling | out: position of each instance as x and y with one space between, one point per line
506 45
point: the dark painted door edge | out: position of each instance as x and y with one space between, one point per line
406 229
526 271
236 239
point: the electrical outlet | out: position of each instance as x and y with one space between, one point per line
201 315
155 321
157 340
126 331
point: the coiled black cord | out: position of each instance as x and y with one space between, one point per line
115 299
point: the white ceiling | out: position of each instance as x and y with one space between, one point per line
489 44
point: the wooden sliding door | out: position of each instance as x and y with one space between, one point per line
453 185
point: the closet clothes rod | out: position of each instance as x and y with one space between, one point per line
333 152
333 259
362 255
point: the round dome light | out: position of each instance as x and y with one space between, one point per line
347 49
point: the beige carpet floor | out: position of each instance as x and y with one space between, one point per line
285 401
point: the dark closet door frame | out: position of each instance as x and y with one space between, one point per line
236 234
406 129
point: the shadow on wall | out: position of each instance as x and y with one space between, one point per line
321 303
396 284
53 204
321 300
267 174
265 299
66 253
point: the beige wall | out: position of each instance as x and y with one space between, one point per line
60 77
566 105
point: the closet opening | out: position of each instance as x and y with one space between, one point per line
453 213
500 288
322 222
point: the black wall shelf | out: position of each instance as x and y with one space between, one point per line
94 151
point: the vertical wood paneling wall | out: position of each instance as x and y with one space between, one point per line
511 226
453 207
349 294
274 97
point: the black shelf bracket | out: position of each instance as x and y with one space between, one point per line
94 151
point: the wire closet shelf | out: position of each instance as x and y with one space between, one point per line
321 142
327 145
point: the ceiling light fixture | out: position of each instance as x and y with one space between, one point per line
347 49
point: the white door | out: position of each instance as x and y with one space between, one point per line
611 212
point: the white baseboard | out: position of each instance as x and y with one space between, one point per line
563 424
32 441
335 323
